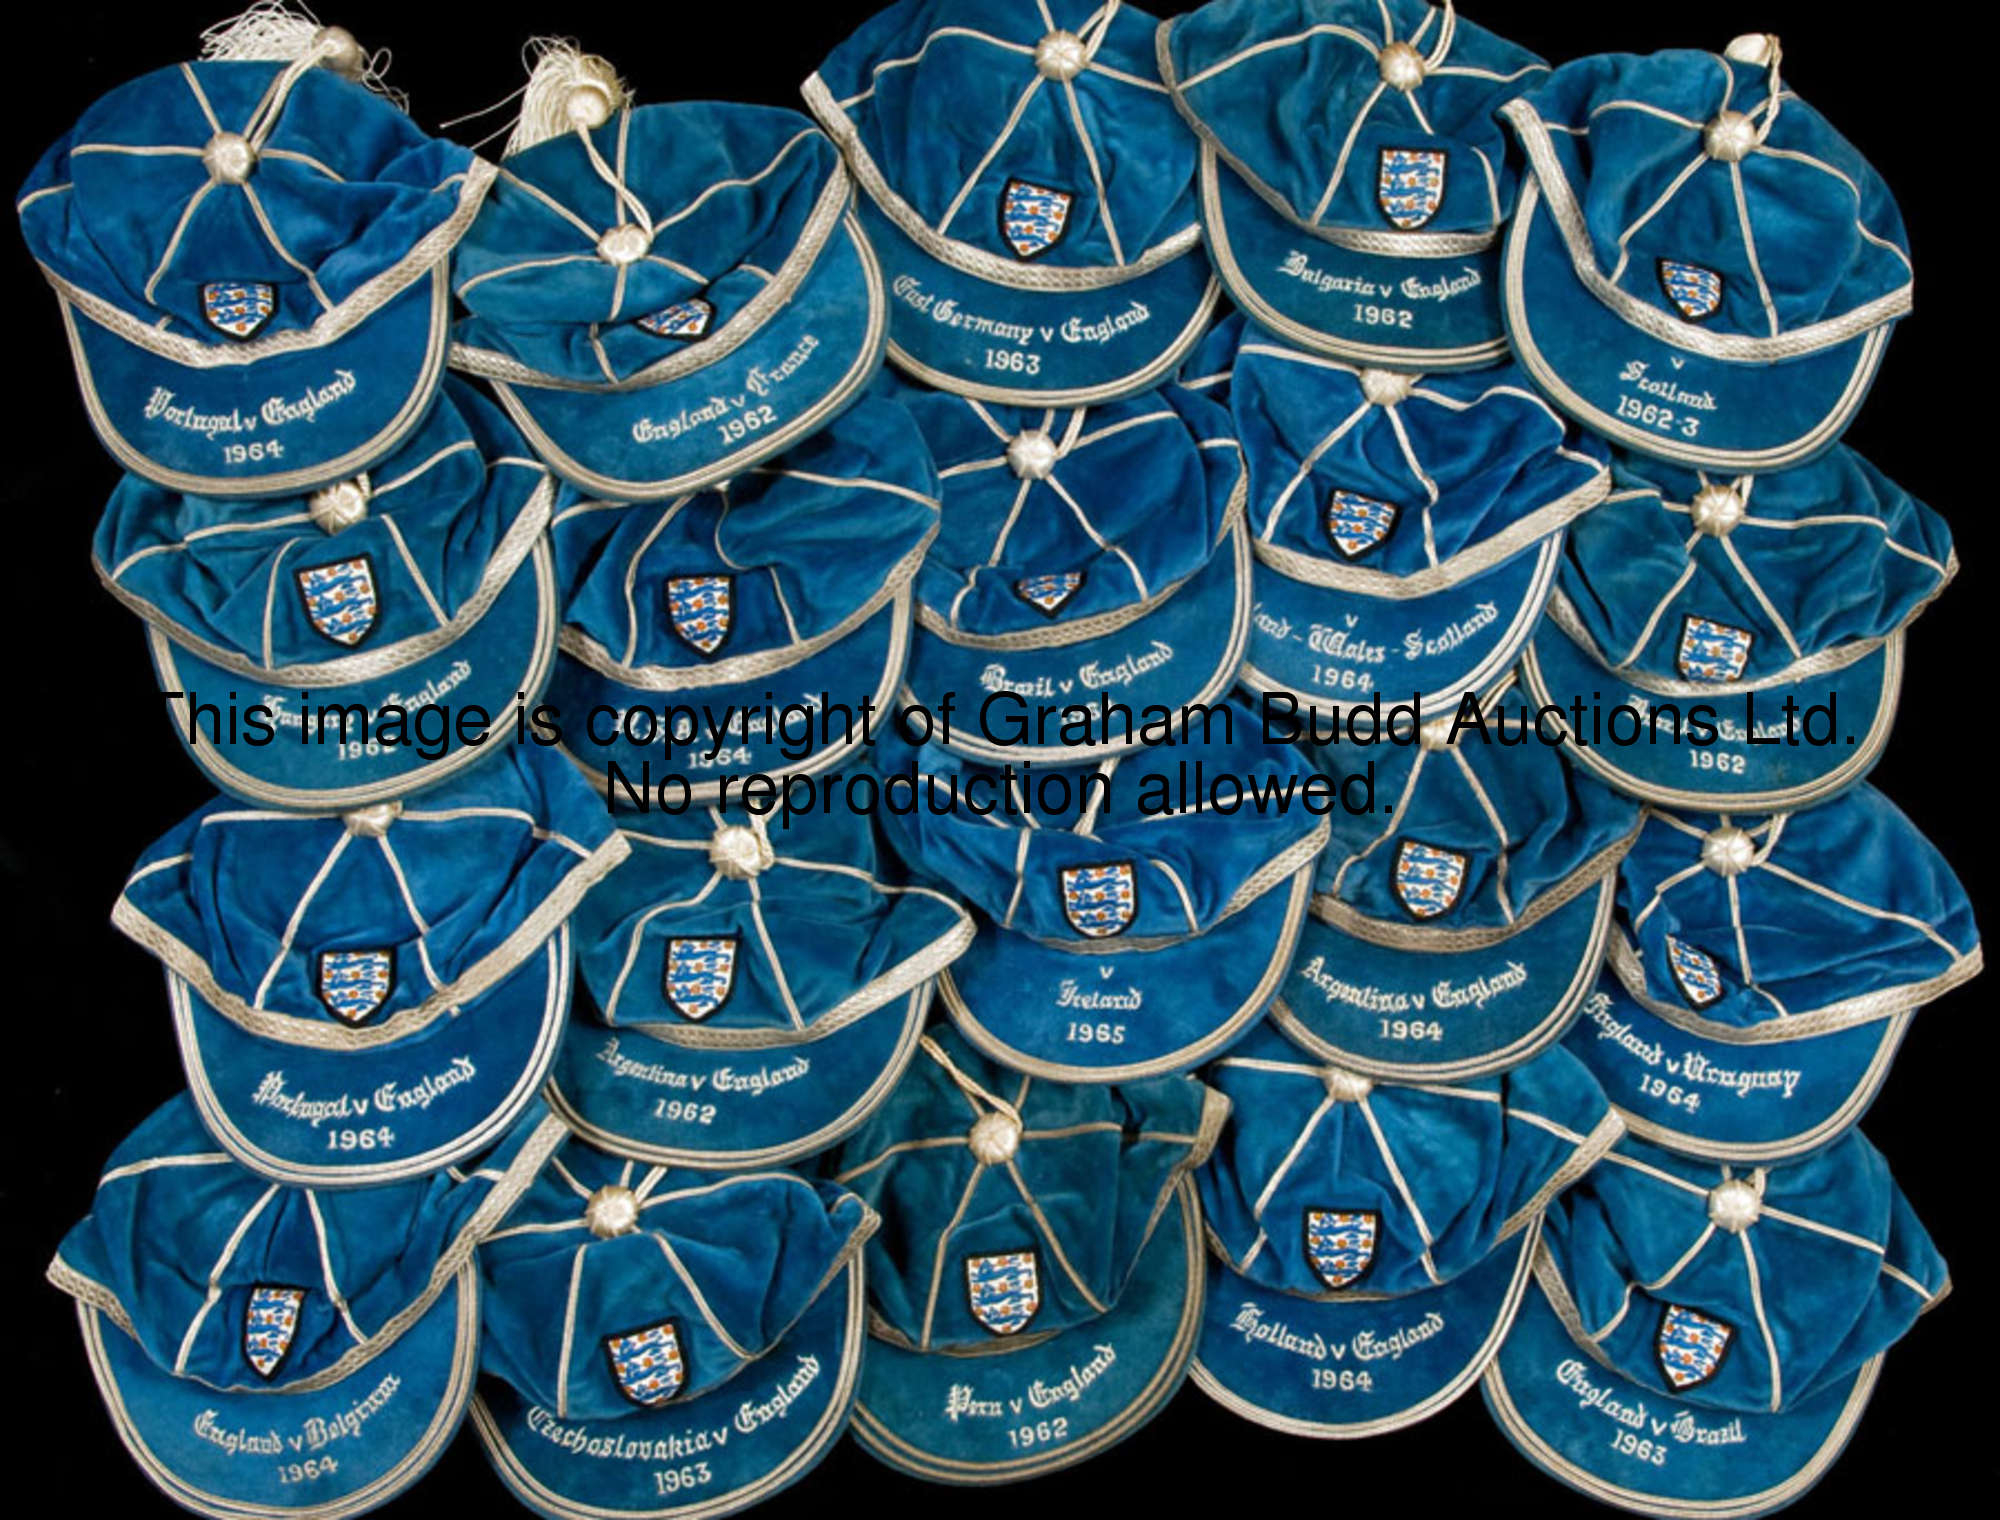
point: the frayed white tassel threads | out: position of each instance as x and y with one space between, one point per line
568 89
275 31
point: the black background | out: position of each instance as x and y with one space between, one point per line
93 773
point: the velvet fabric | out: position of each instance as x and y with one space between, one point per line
1307 163
1395 981
755 314
947 118
799 575
455 585
1752 1016
1136 932
749 1020
341 232
1405 543
239 1331
1813 580
1120 574
749 1287
1724 312
1688 1352
1095 1194
367 997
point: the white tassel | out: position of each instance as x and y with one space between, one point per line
567 88
277 31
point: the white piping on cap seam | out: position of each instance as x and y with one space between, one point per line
1402 1186
1763 1322
1674 187
1756 589
1865 909
771 955
701 1305
672 511
174 240
944 1240
438 614
410 906
1049 1235
298 917
569 1331
1653 621
1345 33
139 1168
326 1268
278 245
229 1249
1750 249
637 936
943 33
1006 131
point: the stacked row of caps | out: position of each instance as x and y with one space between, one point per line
1527 1074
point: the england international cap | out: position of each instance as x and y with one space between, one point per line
368 996
1375 1240
267 1350
1135 928
250 252
1039 1243
1765 970
1700 267
1354 177
1084 557
664 295
754 988
740 629
1460 934
666 1343
425 582
1407 528
1700 1342
1740 595
1029 191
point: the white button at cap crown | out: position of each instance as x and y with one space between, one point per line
593 93
1060 55
340 505
627 243
1728 851
1717 510
1734 1205
1385 387
1402 66
995 1138
1031 454
1730 137
739 851
611 1211
229 157
1436 734
1344 1086
373 821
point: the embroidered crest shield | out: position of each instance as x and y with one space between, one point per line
1356 523
1712 651
270 1323
1003 1290
686 320
238 308
646 1364
1695 973
700 608
1428 880
1691 1346
1049 594
1033 218
1100 901
340 598
1340 1244
354 983
701 973
1409 185
1696 292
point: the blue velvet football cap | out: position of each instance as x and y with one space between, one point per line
368 996
1460 934
1407 528
1029 191
1096 554
787 585
1375 1239
1355 179
423 582
1764 972
666 1342
251 252
1134 933
1740 594
267 1350
1039 1263
1701 1341
664 295
754 988
1699 267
